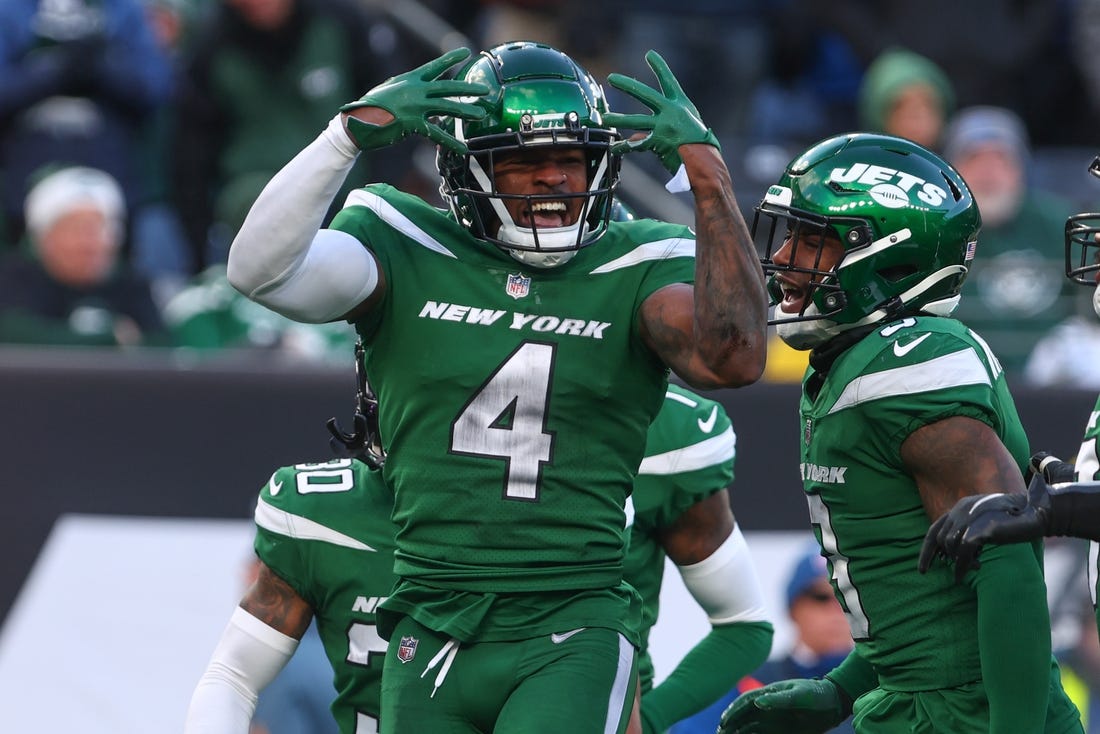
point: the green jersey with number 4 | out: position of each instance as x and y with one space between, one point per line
514 402
919 631
325 529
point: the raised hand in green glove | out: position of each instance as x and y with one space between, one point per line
797 706
674 121
412 98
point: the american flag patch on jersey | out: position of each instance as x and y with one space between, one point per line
406 649
518 285
971 249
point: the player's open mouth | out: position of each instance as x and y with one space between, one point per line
793 296
547 214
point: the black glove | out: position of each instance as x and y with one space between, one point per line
987 518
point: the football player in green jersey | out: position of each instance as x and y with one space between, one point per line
680 509
520 345
903 412
1072 506
324 540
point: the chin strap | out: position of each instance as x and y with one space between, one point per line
364 442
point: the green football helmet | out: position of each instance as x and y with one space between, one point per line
538 97
1083 247
907 222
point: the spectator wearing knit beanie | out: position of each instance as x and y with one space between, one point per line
71 286
905 94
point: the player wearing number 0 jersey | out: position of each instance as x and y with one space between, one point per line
324 536
680 509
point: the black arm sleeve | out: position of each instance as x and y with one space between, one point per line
1075 510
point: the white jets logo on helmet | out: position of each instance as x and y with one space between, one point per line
889 195
539 121
890 187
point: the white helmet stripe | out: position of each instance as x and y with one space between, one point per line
486 184
878 246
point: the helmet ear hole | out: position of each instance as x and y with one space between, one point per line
897 273
956 192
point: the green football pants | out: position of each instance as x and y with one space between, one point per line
576 681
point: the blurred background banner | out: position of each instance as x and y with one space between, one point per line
119 615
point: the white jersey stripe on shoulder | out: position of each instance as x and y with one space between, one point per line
279 521
657 250
388 214
951 370
681 399
713 451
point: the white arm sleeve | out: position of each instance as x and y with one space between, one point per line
281 258
248 657
725 583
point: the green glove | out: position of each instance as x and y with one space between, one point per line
412 98
798 706
674 121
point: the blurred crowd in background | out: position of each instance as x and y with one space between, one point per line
135 134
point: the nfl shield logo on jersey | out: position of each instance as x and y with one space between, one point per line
406 650
518 286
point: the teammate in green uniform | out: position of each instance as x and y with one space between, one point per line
903 411
680 509
317 522
1072 506
324 539
520 345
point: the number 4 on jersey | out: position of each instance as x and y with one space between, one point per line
506 419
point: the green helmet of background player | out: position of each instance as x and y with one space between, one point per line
538 97
907 222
